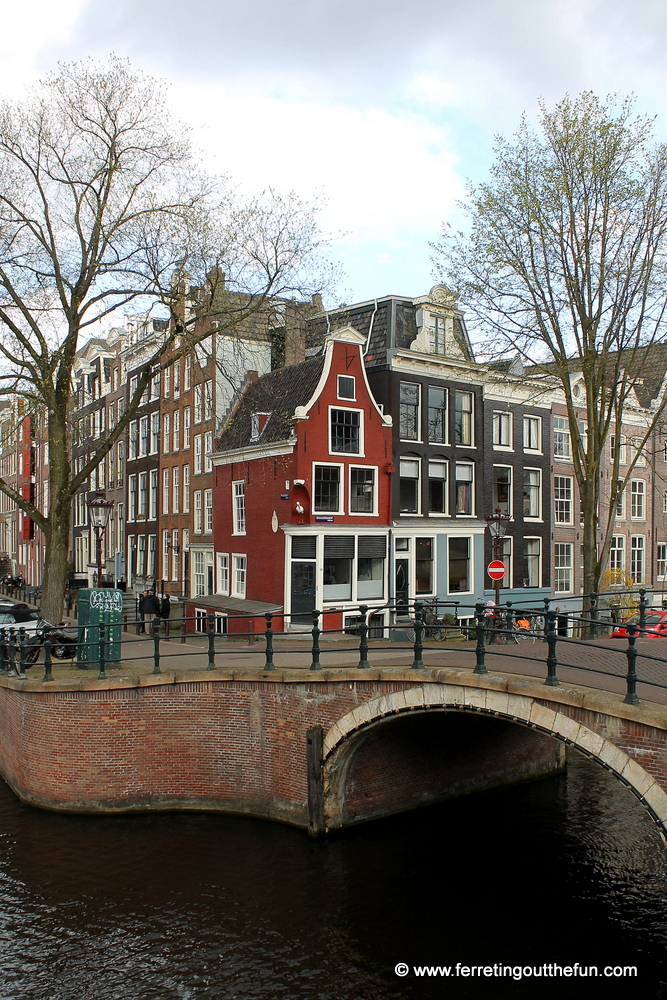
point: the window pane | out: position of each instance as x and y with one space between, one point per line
424 565
459 565
337 579
345 431
362 484
463 418
327 487
437 414
409 411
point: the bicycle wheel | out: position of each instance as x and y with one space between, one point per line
523 635
410 634
439 634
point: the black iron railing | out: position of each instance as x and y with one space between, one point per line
424 628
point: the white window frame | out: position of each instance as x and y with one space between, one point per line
208 451
414 385
569 500
239 566
239 512
374 509
435 460
208 512
503 430
341 487
616 548
533 538
538 516
568 567
348 378
186 489
638 576
166 434
176 431
637 500
198 462
153 495
350 409
222 568
176 489
562 436
528 420
155 433
165 491
418 479
132 498
458 465
198 513
496 502
661 560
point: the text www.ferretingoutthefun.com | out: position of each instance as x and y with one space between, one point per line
549 970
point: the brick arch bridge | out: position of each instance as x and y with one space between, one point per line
319 750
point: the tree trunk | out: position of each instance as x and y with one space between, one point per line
58 533
589 503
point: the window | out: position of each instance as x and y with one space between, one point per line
563 499
155 433
208 449
664 503
155 386
176 489
143 494
134 439
620 504
460 581
637 507
638 451
165 491
166 382
186 428
463 418
198 513
134 385
506 557
176 436
637 558
153 502
502 488
238 507
208 400
198 458
132 489
661 565
532 493
345 431
371 555
437 414
464 481
617 553
327 487
424 576
409 485
174 554
408 411
563 568
561 438
199 575
186 489
346 387
141 555
362 490
338 560
177 379
120 451
532 433
166 434
437 487
222 559
208 508
532 553
502 430
152 554
612 449
436 334
187 373
199 408
239 576
143 437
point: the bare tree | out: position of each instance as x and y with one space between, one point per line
565 263
103 208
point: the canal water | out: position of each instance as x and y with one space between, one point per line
190 906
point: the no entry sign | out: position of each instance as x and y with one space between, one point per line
496 569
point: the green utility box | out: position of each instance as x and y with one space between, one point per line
99 607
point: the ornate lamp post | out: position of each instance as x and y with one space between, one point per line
100 509
497 525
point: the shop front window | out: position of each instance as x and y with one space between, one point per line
459 565
424 565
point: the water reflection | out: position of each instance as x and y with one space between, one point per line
197 906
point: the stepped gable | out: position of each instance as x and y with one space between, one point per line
277 393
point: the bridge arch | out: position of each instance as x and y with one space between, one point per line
343 739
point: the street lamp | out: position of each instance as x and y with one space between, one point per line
497 525
100 509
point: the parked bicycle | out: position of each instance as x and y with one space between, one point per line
527 628
434 626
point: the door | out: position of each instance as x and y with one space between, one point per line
303 592
402 568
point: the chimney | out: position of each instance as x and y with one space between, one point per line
295 334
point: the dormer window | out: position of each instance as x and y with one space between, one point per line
346 387
437 334
258 423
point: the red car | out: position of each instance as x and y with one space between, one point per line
655 625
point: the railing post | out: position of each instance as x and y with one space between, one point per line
101 638
418 663
4 652
183 632
11 648
268 635
509 622
315 664
21 652
593 627
552 659
642 611
480 650
48 675
632 698
156 646
363 638
210 621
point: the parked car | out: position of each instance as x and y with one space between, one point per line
655 625
19 616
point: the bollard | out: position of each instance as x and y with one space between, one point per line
103 654
183 631
251 631
315 663
509 622
552 660
631 652
480 615
642 611
418 663
363 638
210 621
21 652
268 635
48 675
156 646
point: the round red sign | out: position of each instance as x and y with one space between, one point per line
496 569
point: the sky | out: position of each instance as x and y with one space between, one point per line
380 111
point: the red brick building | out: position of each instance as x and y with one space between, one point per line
302 491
